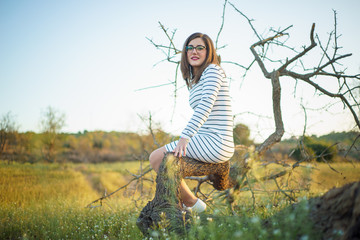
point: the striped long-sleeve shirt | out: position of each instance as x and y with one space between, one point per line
210 129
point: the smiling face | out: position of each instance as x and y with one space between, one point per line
197 54
196 57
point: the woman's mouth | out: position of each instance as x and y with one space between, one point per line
194 58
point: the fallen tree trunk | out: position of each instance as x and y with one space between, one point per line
336 214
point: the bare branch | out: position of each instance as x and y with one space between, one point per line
306 79
175 89
261 43
241 66
312 45
254 114
237 64
90 205
161 47
222 25
323 73
170 38
283 192
249 21
151 130
352 145
156 86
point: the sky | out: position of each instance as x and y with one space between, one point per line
92 61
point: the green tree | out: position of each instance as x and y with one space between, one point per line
8 131
315 149
52 122
242 135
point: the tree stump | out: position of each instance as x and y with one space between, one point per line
167 195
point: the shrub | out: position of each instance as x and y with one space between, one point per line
315 149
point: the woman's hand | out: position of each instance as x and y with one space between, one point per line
180 149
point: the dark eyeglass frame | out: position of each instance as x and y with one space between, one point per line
198 48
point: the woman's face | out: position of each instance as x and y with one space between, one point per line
196 53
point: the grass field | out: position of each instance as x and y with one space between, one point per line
48 201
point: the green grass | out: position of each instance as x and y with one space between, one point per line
56 220
47 201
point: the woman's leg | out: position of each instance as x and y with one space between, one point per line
187 196
156 158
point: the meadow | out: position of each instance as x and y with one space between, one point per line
49 201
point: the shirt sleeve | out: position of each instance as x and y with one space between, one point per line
212 81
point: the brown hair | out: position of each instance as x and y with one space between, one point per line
211 58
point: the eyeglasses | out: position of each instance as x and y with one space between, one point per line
198 48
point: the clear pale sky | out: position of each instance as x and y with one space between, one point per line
87 59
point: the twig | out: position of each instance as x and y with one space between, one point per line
170 39
283 192
156 86
122 187
151 131
249 21
352 145
312 45
222 25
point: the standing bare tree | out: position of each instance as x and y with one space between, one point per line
51 124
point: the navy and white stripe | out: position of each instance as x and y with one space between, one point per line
210 129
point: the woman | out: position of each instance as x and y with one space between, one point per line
208 136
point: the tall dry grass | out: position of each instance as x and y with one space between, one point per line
47 201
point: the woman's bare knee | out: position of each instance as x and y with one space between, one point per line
156 158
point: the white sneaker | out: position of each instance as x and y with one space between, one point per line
198 207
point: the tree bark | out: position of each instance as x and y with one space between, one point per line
337 213
166 200
167 195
